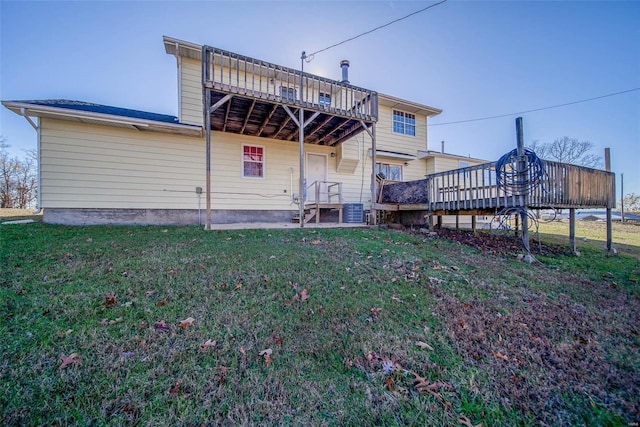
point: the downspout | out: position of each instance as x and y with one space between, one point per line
23 113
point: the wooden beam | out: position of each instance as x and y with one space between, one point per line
334 130
265 122
320 126
220 103
282 126
246 119
572 231
226 117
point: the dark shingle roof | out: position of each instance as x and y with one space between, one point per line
102 109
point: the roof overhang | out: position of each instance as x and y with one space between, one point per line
427 154
408 106
183 48
34 110
394 155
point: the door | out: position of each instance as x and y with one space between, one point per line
316 171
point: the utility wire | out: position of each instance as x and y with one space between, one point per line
310 56
535 109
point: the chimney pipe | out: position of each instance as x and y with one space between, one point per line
442 149
344 64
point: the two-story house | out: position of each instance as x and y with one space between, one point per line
252 142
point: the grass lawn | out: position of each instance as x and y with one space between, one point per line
177 326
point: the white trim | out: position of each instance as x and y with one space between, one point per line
40 110
264 162
179 65
306 170
415 130
393 155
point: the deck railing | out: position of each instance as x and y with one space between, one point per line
325 192
562 186
237 74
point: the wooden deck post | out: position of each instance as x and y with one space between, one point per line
207 121
373 217
572 231
607 167
473 224
522 176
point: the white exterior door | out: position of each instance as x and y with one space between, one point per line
316 171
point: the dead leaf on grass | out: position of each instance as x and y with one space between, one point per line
175 389
302 296
424 345
73 358
162 326
390 384
150 293
266 354
162 303
207 344
395 298
279 340
110 299
424 386
467 422
315 242
499 355
237 286
184 324
267 351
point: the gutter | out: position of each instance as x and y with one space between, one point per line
24 109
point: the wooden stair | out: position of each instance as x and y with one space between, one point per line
315 210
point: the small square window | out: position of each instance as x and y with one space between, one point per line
288 93
252 161
324 99
404 123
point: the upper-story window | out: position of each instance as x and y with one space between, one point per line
324 99
252 161
288 93
404 123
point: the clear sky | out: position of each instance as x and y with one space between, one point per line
471 59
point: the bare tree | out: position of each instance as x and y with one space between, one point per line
568 150
631 202
18 178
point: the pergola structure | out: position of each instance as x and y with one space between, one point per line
249 96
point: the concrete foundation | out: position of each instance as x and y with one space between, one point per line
160 216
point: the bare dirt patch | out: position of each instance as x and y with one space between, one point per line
538 351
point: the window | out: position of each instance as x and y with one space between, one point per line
390 172
288 93
404 123
463 164
252 161
324 99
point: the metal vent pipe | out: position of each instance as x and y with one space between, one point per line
344 64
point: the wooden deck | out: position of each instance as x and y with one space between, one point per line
475 191
249 96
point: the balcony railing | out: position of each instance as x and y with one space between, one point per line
253 78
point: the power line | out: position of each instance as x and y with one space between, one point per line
535 109
310 56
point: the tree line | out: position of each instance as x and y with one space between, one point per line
18 178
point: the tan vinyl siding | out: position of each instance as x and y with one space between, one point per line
191 103
446 164
90 166
390 141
